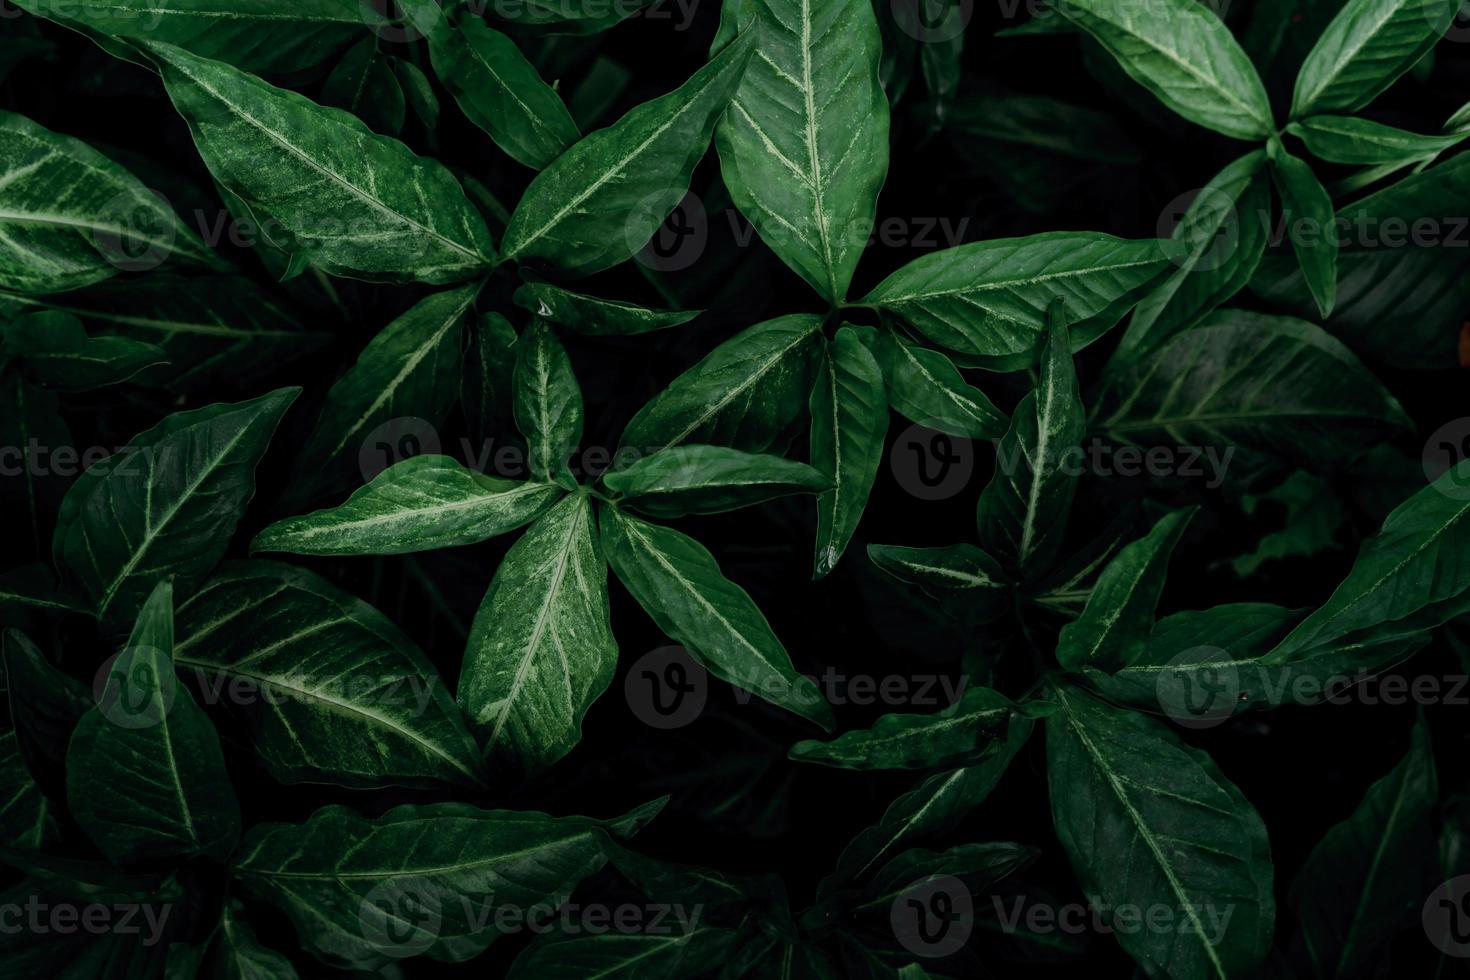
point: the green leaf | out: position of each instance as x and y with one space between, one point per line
1366 880
1181 52
55 351
1310 225
1217 245
849 421
804 145
1246 380
31 428
958 735
409 370
708 480
500 91
593 316
601 200
746 393
70 217
26 816
1149 822
363 84
485 387
44 708
266 36
1365 48
1115 625
1348 139
924 386
420 504
418 879
679 585
674 951
1022 513
166 504
988 300
957 567
547 403
236 954
568 16
145 777
325 688
541 649
329 190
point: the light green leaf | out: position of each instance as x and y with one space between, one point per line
145 777
1181 52
1148 821
594 316
1310 225
601 200
746 393
165 505
420 504
708 480
679 585
988 299
54 351
323 685
70 217
959 734
804 144
547 402
849 411
1368 45
500 91
541 649
1348 139
329 190
924 386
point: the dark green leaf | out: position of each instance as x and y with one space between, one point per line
925 387
1310 225
696 479
849 411
958 735
55 351
594 316
1368 45
1348 139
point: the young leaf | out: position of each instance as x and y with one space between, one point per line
709 479
601 200
1348 139
70 217
547 402
958 735
422 503
541 649
679 585
289 654
745 393
1310 224
594 316
804 145
145 776
500 91
1181 52
1150 822
350 202
1368 45
54 351
924 386
1022 513
1115 625
849 421
165 505
989 299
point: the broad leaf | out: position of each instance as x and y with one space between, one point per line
944 571
1348 139
924 386
849 411
958 735
327 189
165 505
323 685
27 817
679 585
804 145
541 649
594 316
709 479
1310 225
547 403
44 708
601 200
145 776
54 351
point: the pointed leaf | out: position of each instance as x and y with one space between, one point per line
594 316
547 403
1348 139
1368 45
958 735
1310 224
56 352
708 480
924 386
849 421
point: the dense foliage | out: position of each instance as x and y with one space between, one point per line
498 490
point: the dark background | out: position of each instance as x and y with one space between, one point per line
738 804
